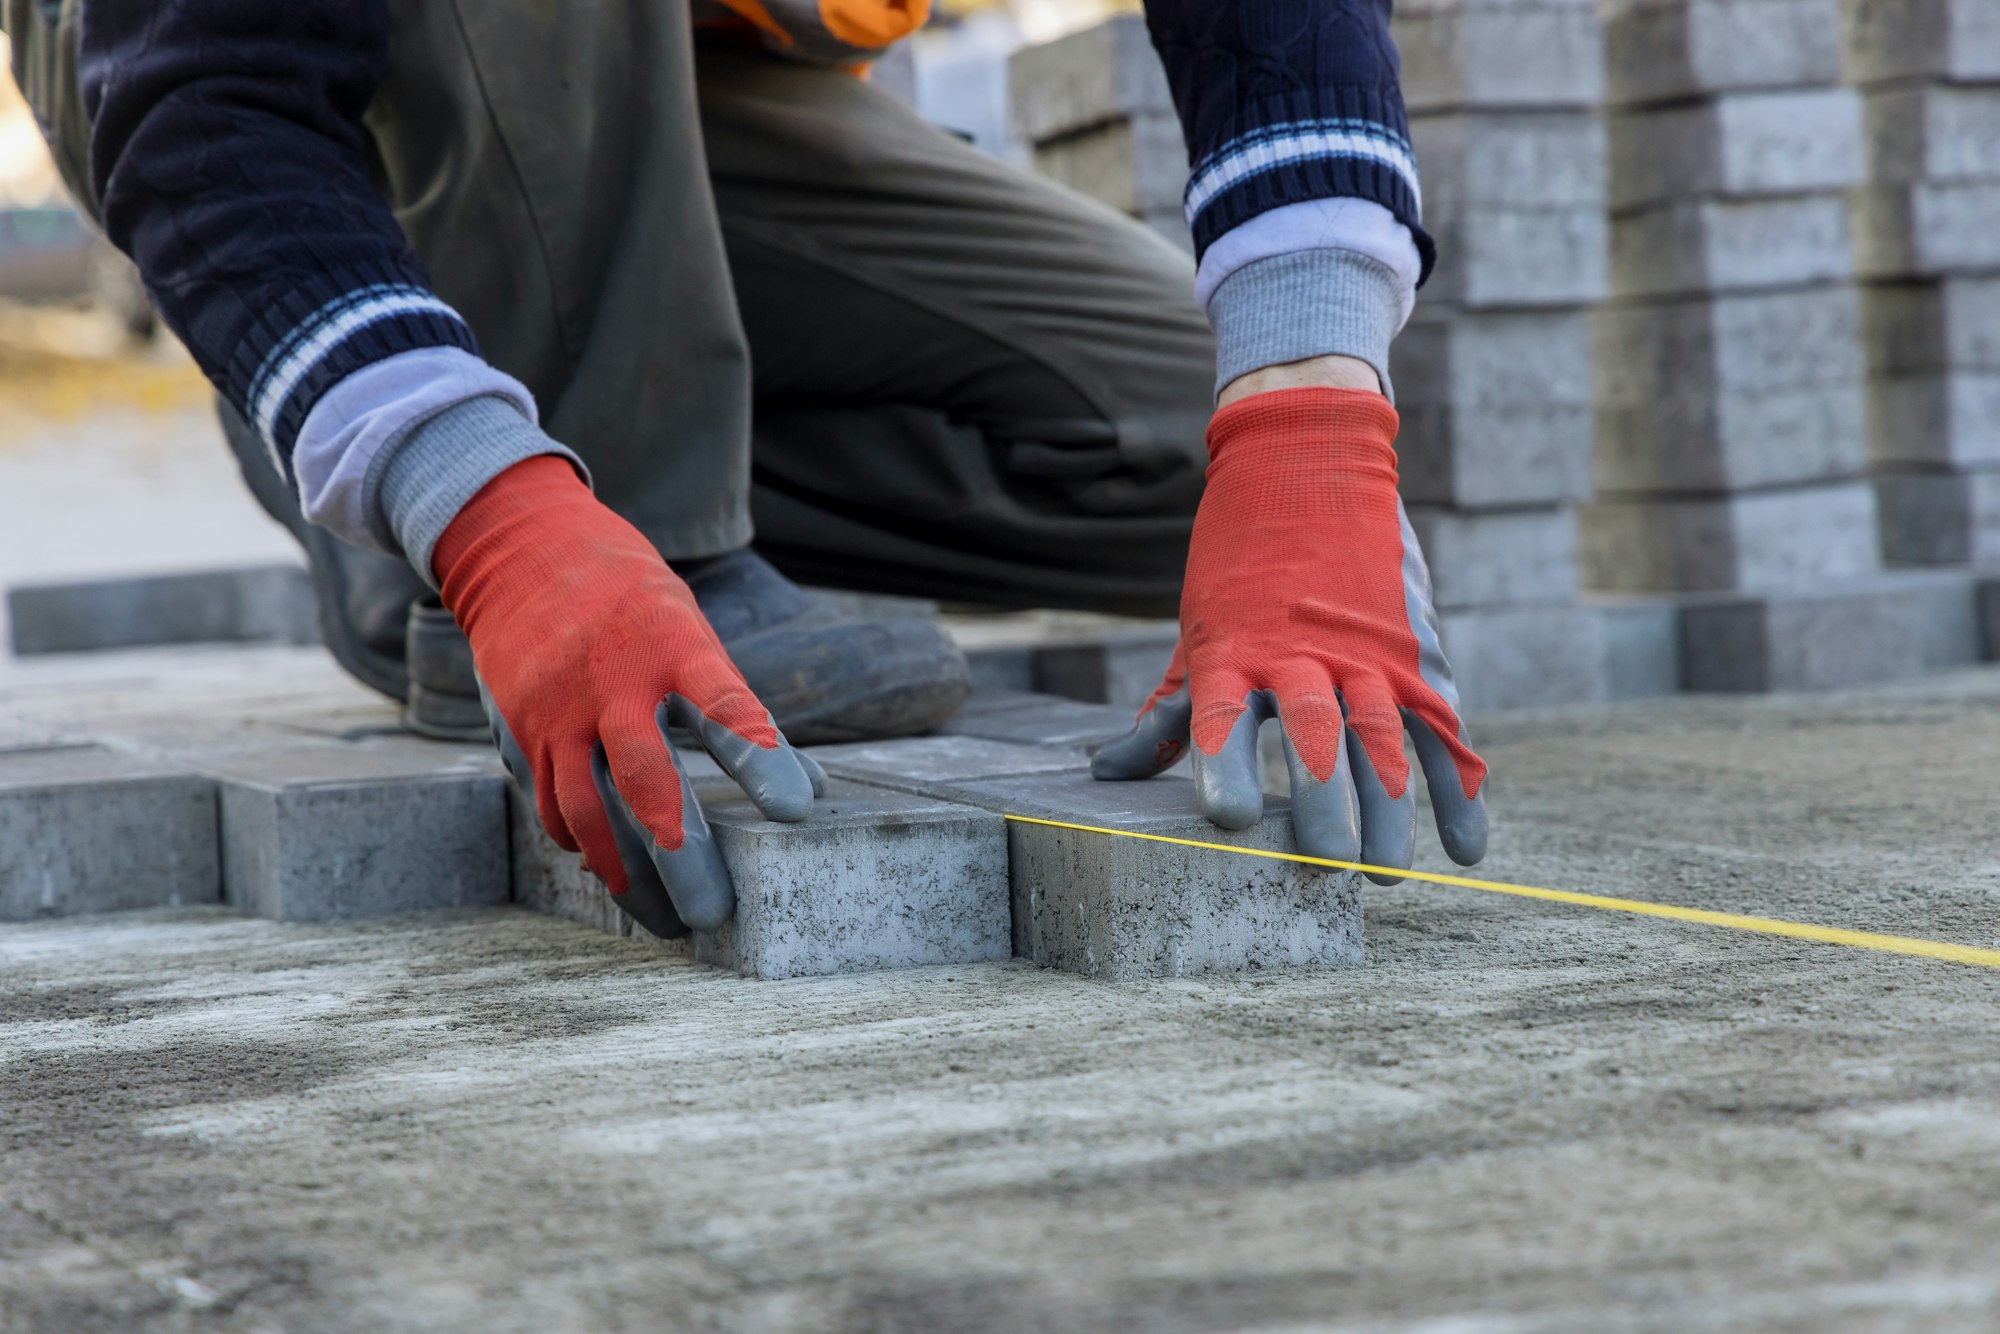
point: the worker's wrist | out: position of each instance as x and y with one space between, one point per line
1306 306
444 462
1333 372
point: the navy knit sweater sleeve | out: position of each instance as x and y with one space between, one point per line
1285 101
228 154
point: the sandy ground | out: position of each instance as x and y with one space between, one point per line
1514 1116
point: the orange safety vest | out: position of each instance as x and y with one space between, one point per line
820 32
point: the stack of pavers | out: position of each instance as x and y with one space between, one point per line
1492 377
1731 460
1095 110
1927 244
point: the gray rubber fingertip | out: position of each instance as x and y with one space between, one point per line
1326 818
779 785
1463 832
646 899
694 874
1388 824
1127 758
1157 742
814 774
1226 782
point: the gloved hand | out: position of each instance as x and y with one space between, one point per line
587 647
1307 596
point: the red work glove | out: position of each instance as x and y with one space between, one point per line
587 647
1307 596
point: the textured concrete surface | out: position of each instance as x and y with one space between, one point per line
1001 715
1947 39
258 603
1513 1116
1128 908
1085 79
920 764
1135 165
1666 50
873 880
1729 391
1950 518
1516 202
1525 657
312 831
1498 559
1890 626
1753 541
84 829
876 879
1495 406
1491 54
1730 245
1783 142
1929 228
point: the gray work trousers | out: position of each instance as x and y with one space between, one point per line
765 299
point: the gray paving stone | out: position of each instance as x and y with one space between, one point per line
1120 668
1087 78
1117 662
1738 145
1642 645
313 831
1485 54
1029 719
1496 406
1524 657
1925 229
874 879
1754 541
86 829
1498 558
1936 132
1516 202
919 764
1497 256
1665 50
1510 160
271 604
1881 629
1730 245
1729 391
1989 618
1136 165
1932 325
1938 418
1001 667
1940 39
1125 908
1930 518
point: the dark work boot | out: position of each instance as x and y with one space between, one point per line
826 676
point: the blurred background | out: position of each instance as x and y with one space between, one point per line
1704 393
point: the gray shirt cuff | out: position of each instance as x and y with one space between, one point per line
1310 303
421 482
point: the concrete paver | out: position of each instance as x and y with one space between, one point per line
84 829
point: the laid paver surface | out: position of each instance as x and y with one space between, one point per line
1512 1115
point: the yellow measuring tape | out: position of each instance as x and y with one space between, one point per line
1770 926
